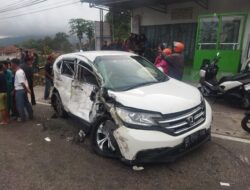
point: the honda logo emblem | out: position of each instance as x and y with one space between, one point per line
190 120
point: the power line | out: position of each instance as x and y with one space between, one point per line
23 5
35 8
33 12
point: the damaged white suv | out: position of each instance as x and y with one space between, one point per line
134 111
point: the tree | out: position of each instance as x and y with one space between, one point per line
120 23
79 27
61 42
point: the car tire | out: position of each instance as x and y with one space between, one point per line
245 123
102 139
245 102
58 106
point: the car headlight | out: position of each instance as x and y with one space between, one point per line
137 118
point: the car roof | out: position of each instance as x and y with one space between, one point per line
91 55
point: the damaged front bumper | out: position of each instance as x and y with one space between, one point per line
162 155
144 146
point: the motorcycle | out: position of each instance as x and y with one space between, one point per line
234 89
245 123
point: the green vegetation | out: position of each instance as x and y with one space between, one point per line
120 22
46 45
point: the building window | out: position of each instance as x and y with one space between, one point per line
208 33
231 27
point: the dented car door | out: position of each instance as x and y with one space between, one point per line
81 89
67 76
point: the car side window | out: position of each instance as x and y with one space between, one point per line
68 68
85 74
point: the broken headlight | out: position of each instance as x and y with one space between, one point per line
137 118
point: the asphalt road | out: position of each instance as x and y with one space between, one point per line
28 162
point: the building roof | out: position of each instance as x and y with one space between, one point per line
9 50
132 4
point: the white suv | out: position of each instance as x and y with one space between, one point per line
134 111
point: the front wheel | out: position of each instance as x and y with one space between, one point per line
245 123
103 141
245 102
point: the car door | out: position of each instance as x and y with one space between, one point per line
81 89
66 79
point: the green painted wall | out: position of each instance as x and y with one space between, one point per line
229 62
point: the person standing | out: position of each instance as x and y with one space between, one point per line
161 47
35 63
22 56
28 70
3 97
176 61
9 77
48 76
21 90
163 64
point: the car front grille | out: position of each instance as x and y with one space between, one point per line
182 122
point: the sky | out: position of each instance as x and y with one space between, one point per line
41 23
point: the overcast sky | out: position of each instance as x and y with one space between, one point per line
42 23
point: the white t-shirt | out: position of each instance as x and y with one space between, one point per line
20 78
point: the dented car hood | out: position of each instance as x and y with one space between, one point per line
166 97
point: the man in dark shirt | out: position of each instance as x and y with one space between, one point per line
3 97
27 68
48 76
9 82
176 61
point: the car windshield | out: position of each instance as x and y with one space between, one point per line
121 73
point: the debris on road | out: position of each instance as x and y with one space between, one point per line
70 139
82 135
47 139
29 144
39 124
138 168
225 184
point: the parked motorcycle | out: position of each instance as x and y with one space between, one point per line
234 89
245 123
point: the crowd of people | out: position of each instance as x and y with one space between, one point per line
135 43
169 59
16 82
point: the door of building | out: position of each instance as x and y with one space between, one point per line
220 33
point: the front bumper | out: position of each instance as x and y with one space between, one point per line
163 155
143 146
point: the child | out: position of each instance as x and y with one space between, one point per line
163 64
3 97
